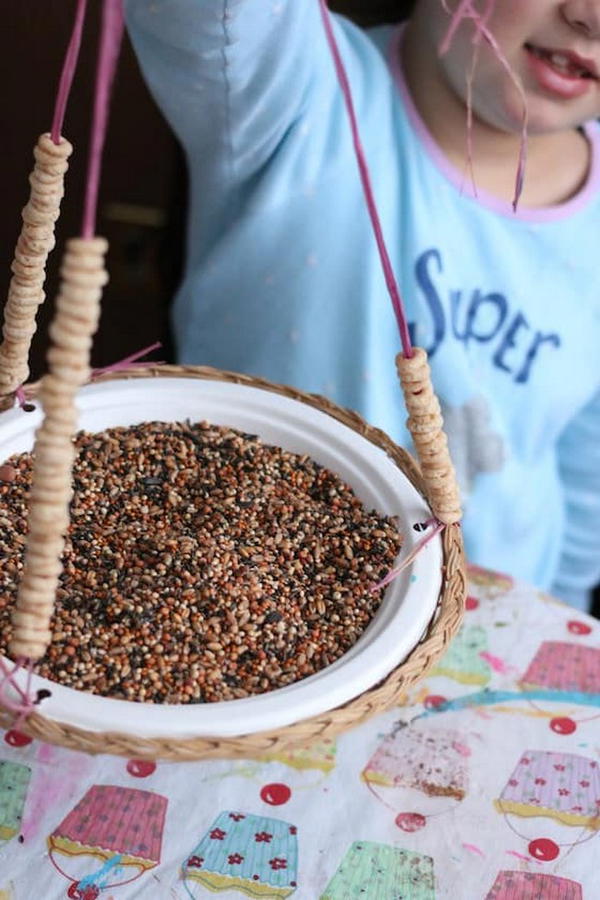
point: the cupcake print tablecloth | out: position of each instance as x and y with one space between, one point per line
484 782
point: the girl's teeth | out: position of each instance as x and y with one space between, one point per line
560 61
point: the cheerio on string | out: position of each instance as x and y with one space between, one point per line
36 240
75 321
424 414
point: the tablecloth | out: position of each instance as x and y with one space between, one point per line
484 782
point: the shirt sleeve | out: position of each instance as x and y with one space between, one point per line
579 461
231 76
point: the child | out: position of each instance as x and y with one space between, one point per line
283 279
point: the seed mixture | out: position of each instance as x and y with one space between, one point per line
201 565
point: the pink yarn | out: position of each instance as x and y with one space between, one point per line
365 177
463 10
25 705
393 573
21 396
466 10
68 72
127 363
110 44
130 361
388 271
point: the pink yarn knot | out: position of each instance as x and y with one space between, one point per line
466 10
130 362
438 527
26 703
22 400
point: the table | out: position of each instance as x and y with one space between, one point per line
483 783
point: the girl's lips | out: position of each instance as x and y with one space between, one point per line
560 74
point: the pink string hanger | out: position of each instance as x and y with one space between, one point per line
130 362
466 11
109 47
21 702
61 102
433 525
111 37
365 177
110 44
68 72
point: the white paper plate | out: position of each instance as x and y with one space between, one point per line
409 601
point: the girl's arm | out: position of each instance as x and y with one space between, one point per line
249 88
579 457
231 76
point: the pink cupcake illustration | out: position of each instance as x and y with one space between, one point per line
419 772
533 886
111 830
564 668
562 787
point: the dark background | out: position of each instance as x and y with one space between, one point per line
141 205
142 199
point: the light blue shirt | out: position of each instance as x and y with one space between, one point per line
283 279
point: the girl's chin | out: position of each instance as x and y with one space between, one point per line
543 116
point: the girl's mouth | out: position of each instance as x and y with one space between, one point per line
560 72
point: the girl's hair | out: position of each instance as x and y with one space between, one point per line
374 12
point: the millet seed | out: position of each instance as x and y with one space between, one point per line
200 565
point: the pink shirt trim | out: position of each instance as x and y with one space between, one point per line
462 181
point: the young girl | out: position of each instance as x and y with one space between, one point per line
283 278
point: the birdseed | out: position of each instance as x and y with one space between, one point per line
200 565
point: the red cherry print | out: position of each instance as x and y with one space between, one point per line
576 627
90 892
408 821
275 794
471 603
141 768
543 849
434 701
17 738
563 725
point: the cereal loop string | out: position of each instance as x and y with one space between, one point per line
388 271
36 240
75 321
425 420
